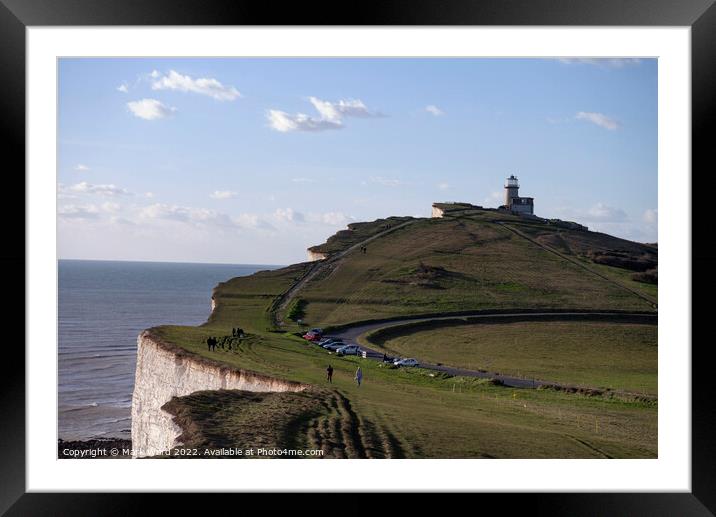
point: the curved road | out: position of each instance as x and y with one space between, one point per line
351 334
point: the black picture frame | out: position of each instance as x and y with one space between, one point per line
700 15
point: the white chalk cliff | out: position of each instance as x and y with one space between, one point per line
315 255
165 371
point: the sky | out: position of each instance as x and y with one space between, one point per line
253 160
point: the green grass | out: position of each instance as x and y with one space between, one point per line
619 356
578 244
245 301
626 277
415 415
487 267
433 265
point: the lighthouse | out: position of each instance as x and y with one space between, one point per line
513 202
512 188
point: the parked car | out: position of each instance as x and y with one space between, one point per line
349 350
325 340
406 362
335 345
311 336
317 331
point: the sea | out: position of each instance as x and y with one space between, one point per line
102 307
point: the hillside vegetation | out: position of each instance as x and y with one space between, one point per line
471 259
470 263
617 356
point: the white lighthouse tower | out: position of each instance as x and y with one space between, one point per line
512 188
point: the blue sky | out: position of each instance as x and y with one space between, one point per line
254 160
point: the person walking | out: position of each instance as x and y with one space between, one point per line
359 376
208 343
329 374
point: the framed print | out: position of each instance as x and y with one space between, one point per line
412 251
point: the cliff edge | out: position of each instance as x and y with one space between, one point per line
165 371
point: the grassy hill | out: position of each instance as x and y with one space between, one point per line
618 356
470 262
470 259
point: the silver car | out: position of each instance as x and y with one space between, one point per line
349 350
406 362
334 345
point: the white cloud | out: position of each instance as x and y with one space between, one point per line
599 119
303 180
285 123
597 213
335 218
149 195
150 109
124 88
651 216
605 213
99 190
201 217
250 221
288 215
386 182
434 110
601 62
202 86
78 212
496 198
222 194
613 221
443 186
331 115
81 167
110 207
337 110
329 218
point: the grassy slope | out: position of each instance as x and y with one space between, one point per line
421 416
619 356
244 301
577 244
409 413
487 267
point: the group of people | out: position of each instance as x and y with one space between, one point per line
364 249
211 342
225 342
358 377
